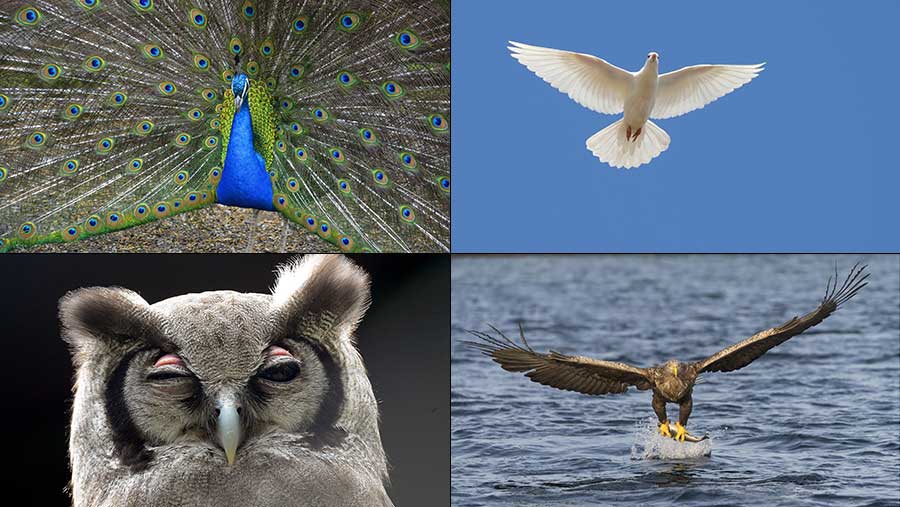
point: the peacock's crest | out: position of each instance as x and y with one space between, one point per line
115 113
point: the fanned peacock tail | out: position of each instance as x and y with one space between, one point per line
115 113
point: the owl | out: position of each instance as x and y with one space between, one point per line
225 398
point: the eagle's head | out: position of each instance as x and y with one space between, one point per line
671 367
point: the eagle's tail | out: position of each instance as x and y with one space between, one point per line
611 145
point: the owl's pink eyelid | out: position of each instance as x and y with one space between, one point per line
276 351
168 359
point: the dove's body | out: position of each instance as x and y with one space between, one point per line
642 96
599 85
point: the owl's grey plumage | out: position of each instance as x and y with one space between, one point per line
224 398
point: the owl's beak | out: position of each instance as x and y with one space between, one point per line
228 428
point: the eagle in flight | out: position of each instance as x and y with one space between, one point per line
672 381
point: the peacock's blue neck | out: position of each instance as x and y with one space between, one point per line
244 182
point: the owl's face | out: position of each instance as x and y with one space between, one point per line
222 393
224 376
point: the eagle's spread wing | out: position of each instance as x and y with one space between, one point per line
569 373
690 88
741 354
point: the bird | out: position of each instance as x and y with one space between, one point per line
600 86
223 398
672 381
333 114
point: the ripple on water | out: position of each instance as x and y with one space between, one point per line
649 444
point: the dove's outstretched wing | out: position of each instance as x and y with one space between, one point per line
741 354
592 82
693 87
569 373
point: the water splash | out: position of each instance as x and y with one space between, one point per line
649 444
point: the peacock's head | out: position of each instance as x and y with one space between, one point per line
239 86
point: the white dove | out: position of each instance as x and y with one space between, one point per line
601 86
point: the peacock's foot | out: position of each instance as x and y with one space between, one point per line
664 429
680 432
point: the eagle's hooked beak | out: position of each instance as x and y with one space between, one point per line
675 369
228 427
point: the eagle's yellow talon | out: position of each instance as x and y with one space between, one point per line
680 432
664 429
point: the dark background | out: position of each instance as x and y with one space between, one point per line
403 341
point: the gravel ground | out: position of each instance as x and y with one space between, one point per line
214 229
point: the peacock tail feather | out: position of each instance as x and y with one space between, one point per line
115 113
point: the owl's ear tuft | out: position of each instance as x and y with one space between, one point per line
107 315
322 295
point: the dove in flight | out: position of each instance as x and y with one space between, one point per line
600 86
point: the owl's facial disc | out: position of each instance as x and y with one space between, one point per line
279 367
185 395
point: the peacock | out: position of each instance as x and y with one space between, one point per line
334 114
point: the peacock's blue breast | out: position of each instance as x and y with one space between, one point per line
245 181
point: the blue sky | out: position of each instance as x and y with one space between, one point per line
800 159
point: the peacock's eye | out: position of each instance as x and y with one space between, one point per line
280 365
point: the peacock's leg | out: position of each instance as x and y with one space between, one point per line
659 406
251 241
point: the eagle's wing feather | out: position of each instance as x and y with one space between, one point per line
569 373
690 88
741 354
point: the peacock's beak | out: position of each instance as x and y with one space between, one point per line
228 428
239 99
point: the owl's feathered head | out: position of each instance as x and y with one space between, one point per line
219 378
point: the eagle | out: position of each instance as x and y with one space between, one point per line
672 381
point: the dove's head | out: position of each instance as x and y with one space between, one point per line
653 56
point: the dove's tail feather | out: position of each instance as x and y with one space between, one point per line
611 146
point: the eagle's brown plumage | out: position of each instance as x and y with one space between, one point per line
673 381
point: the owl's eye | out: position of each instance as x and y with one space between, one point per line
280 365
167 360
283 371
167 367
276 351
